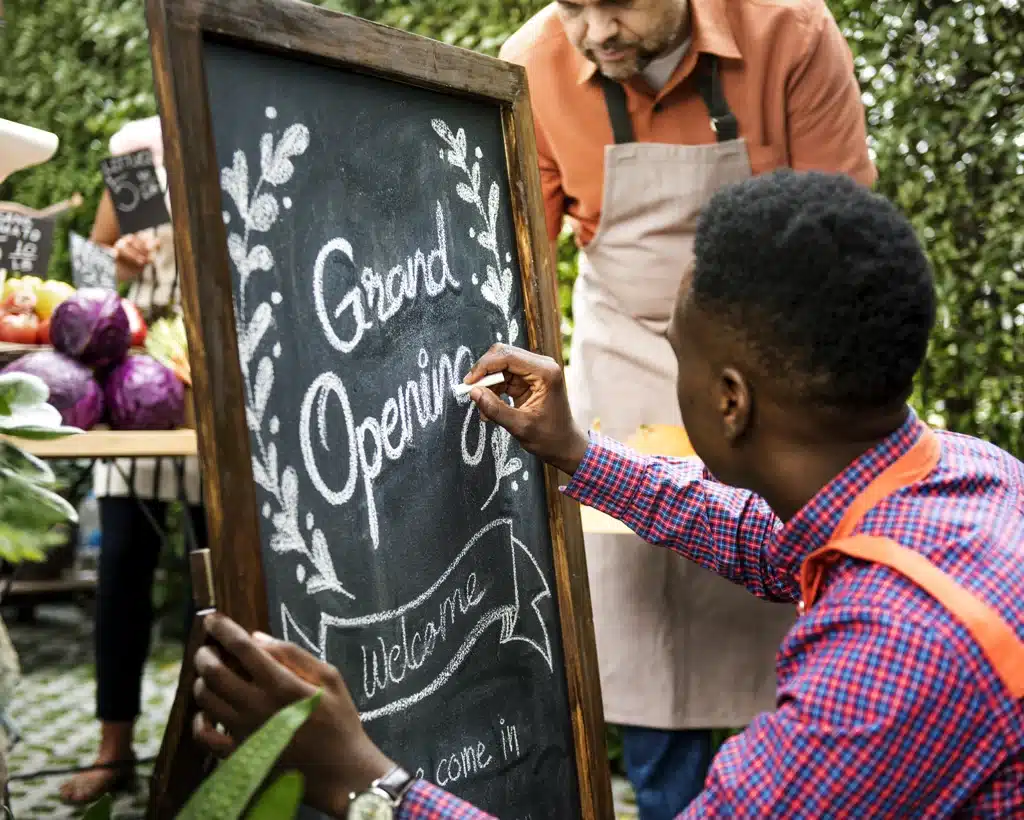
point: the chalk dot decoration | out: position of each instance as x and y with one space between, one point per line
266 510
300 573
276 297
275 425
286 201
309 521
423 359
271 112
277 350
476 279
226 217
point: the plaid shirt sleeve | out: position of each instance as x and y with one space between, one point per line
876 716
675 502
425 801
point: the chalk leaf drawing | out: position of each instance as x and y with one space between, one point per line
496 287
258 212
433 634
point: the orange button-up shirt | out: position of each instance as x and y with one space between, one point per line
787 74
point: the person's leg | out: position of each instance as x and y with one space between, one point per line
129 551
667 768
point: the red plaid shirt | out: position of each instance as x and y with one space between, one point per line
886 705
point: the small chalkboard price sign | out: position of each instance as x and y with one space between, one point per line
25 243
92 266
135 190
360 218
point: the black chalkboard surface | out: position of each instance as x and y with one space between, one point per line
26 243
404 540
92 266
135 191
359 217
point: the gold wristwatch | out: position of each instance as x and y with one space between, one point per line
382 799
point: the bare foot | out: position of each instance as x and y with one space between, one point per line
88 787
115 747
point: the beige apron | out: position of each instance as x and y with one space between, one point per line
678 647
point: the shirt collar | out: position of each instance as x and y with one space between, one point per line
812 527
711 34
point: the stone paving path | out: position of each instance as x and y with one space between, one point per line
54 707
54 710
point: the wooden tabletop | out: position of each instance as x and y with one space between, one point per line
113 444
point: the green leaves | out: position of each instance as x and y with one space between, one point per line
281 799
227 792
31 512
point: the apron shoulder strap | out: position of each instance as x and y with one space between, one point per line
618 111
997 639
709 84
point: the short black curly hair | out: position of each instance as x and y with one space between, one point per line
823 280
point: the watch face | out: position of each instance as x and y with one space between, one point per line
371 806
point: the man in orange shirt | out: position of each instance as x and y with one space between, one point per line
642 110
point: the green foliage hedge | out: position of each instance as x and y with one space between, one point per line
946 112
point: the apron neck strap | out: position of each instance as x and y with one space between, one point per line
709 85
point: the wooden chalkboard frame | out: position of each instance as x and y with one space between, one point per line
292 28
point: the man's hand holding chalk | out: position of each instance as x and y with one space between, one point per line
539 417
487 381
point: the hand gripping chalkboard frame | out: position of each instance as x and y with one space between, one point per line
177 30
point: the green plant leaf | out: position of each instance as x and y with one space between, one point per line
21 389
31 415
281 799
226 792
27 465
39 433
100 810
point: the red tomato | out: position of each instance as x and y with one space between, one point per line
19 301
135 322
43 332
19 328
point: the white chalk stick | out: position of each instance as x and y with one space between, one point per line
486 381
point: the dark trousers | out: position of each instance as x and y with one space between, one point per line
667 768
129 552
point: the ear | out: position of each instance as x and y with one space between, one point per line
735 404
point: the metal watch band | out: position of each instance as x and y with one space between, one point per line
395 783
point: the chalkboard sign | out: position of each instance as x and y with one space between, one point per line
362 224
135 190
25 243
92 266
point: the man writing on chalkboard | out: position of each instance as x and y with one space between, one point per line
798 334
643 109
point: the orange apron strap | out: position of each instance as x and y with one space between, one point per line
997 639
913 466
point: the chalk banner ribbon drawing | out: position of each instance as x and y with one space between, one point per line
410 652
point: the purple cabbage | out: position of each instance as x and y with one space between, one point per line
143 394
73 389
92 327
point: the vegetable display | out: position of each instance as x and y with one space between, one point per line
142 394
90 374
73 389
92 326
32 300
